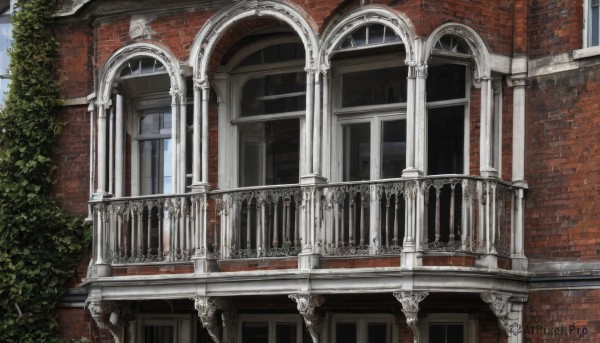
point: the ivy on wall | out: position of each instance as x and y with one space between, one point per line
39 242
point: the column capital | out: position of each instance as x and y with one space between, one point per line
507 311
108 315
201 84
410 307
207 308
306 304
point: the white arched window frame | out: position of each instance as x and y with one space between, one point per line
335 116
112 121
201 51
481 61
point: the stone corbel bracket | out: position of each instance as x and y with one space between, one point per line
207 308
507 311
101 311
307 303
410 307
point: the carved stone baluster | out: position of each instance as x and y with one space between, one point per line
451 236
396 213
362 217
275 222
160 210
248 225
352 212
388 197
149 230
306 304
410 307
287 221
438 191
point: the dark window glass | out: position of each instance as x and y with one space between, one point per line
255 332
345 333
378 333
271 94
393 148
445 82
357 152
285 333
374 87
158 334
270 152
274 53
445 140
446 333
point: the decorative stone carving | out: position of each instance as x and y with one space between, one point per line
410 307
476 44
207 307
508 318
365 15
139 27
307 303
210 33
101 311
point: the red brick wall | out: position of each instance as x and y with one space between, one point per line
568 309
72 177
562 166
555 26
75 74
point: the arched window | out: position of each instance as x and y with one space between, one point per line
270 98
369 104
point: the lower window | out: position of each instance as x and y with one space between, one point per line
272 329
448 328
368 328
160 329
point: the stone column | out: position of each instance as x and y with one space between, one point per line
410 170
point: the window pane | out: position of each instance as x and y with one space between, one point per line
393 148
158 334
285 333
376 34
437 333
445 82
374 87
158 123
594 18
255 332
345 333
155 166
270 153
445 140
378 333
455 333
275 53
357 152
278 93
5 43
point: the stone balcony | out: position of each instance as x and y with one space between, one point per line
447 220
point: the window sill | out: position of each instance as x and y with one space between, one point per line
586 52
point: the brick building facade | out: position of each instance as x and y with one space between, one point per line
332 171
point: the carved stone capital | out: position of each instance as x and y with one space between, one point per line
421 70
200 84
410 307
101 312
507 312
306 304
207 307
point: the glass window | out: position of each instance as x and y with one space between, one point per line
142 66
445 140
255 332
446 333
286 332
593 22
158 334
357 152
374 87
379 333
393 148
155 153
276 93
274 53
269 152
370 35
445 82
345 333
5 43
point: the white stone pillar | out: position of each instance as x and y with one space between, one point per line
410 170
310 75
486 130
111 150
182 162
196 154
420 140
518 143
316 145
102 108
205 95
175 93
119 149
326 143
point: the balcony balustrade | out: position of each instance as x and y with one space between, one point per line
454 213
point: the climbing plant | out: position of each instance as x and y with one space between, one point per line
39 242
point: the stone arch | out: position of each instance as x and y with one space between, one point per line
214 29
477 45
401 25
117 61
